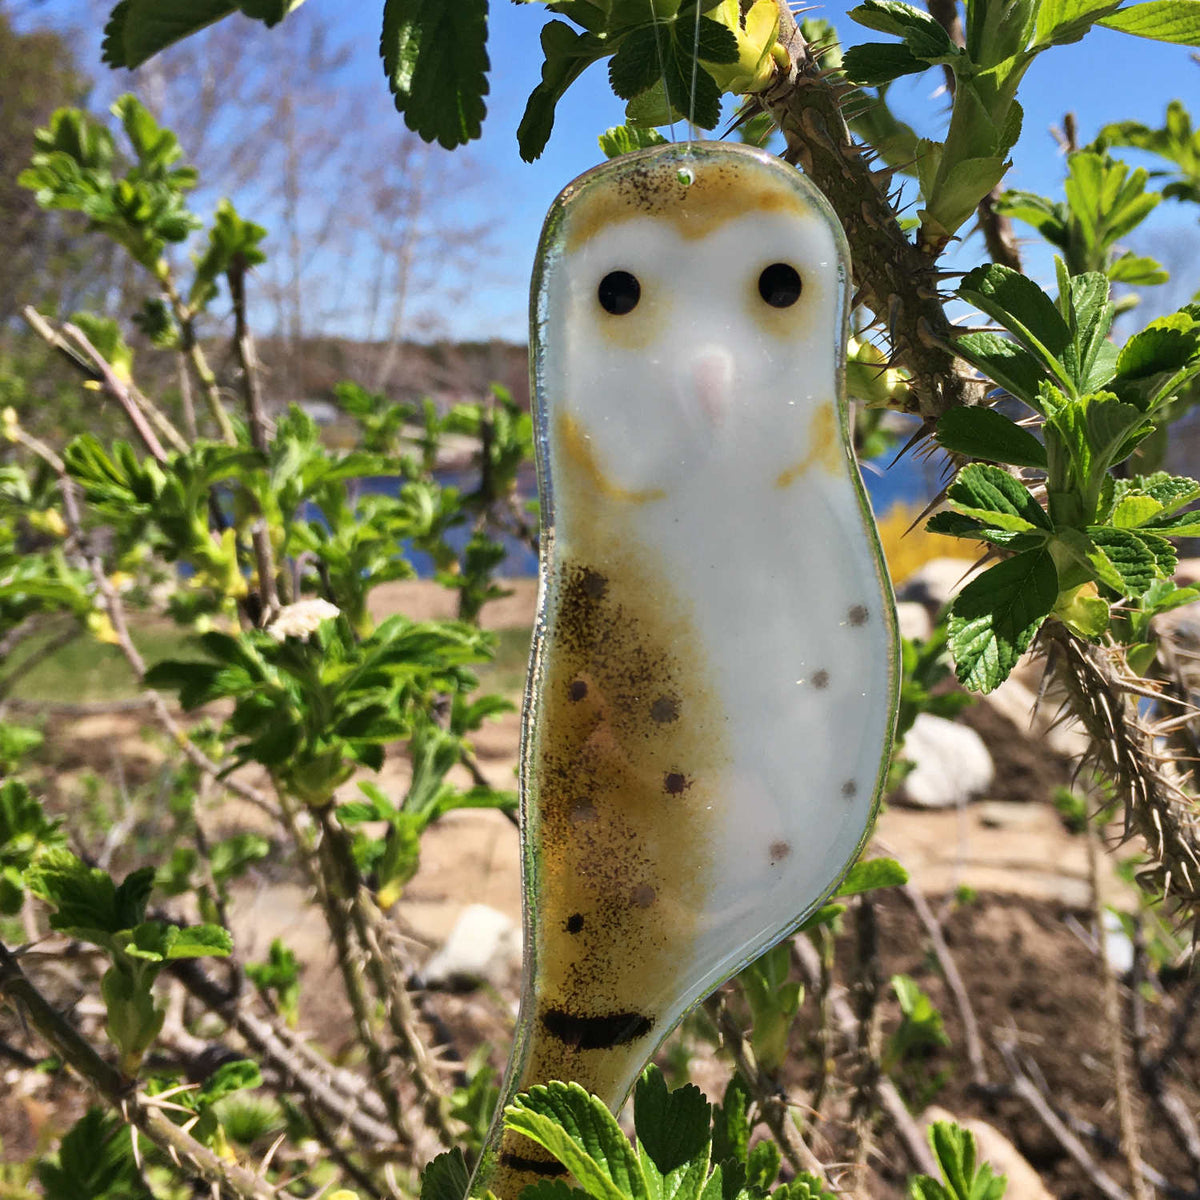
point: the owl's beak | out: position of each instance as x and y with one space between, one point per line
712 382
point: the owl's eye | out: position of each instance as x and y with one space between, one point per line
619 293
779 285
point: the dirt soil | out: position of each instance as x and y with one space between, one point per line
1008 880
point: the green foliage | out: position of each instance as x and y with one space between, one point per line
926 666
92 907
95 1159
1002 40
919 1035
954 1149
25 831
312 704
233 245
1105 202
774 1001
684 1149
1176 141
446 1177
1098 541
280 976
624 139
666 60
1160 20
77 168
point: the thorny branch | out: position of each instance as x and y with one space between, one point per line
895 279
773 1104
230 1178
1104 695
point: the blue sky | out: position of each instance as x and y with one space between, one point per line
1105 77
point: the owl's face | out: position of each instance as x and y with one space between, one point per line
692 326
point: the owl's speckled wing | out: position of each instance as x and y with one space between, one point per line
714 676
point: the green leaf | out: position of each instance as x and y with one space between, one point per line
638 62
1017 303
1079 548
955 524
994 618
1137 270
1060 22
242 1075
994 496
731 1123
762 1165
869 874
139 29
709 40
1130 555
446 1177
624 139
1005 363
987 434
435 57
1175 21
954 1149
583 1135
922 34
1134 510
567 55
672 1127
874 64
198 941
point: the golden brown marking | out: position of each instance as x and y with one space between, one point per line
575 444
621 869
718 193
824 446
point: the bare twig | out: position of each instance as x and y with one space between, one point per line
260 436
954 981
1028 1091
1151 1071
192 350
773 1103
99 371
889 1098
864 994
1112 1020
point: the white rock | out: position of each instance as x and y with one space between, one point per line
483 946
937 582
914 620
1118 948
951 763
992 1147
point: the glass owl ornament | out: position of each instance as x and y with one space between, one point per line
713 681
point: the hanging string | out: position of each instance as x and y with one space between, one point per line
662 62
695 73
